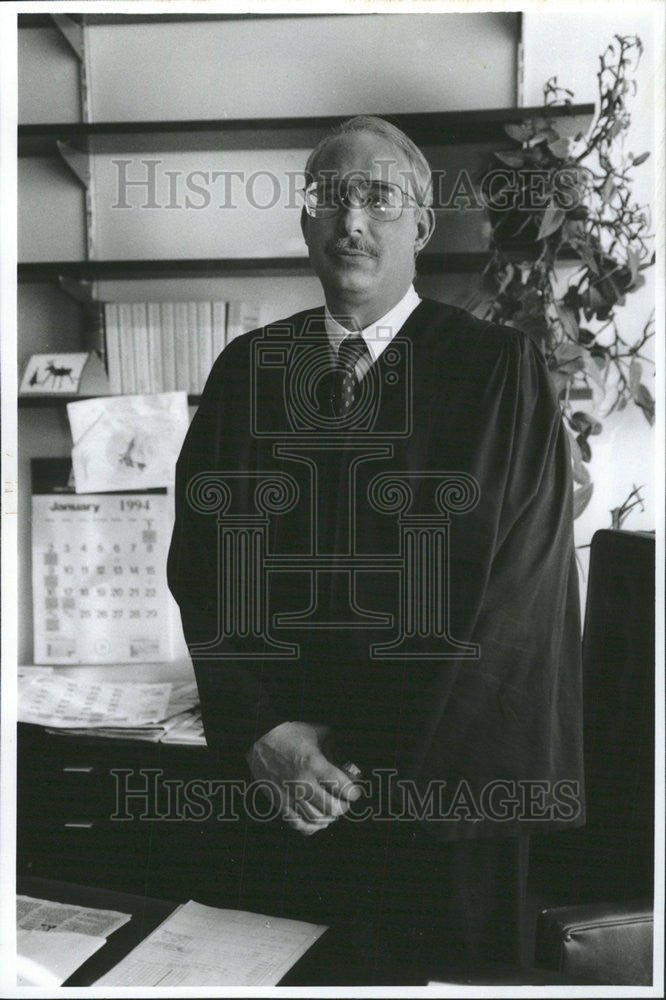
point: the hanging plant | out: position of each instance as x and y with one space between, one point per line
566 202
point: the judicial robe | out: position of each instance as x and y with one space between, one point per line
496 729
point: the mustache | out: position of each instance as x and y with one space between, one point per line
352 243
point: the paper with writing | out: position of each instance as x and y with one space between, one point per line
45 915
204 946
53 700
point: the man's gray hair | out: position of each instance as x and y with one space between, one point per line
420 174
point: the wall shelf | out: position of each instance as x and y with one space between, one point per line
99 270
35 402
427 129
469 262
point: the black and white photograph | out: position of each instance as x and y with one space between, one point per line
333 498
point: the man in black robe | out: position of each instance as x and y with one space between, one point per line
374 563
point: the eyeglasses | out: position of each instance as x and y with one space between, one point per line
380 199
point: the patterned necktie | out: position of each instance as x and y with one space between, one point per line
352 348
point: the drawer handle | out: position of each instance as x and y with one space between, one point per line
74 769
79 825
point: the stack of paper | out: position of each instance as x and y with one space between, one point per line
185 728
118 711
203 946
54 939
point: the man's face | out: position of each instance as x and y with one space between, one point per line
365 265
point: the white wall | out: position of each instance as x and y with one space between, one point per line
303 66
568 46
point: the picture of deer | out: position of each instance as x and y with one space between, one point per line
56 374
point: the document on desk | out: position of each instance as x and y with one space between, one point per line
205 946
45 915
54 939
53 700
48 958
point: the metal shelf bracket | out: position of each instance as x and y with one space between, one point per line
72 32
78 288
78 162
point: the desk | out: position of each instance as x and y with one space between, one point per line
66 796
328 962
315 967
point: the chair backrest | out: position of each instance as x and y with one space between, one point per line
611 857
617 850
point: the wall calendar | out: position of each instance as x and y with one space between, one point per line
99 572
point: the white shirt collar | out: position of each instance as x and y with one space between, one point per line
377 335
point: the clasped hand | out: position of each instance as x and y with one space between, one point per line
312 791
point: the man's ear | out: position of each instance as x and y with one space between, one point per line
425 226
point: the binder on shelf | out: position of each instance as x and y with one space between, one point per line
142 373
93 330
241 317
112 342
127 370
181 348
192 347
168 346
205 341
219 320
155 346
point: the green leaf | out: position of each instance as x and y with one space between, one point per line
567 352
588 258
581 498
641 159
580 472
584 423
585 450
593 302
551 222
506 279
539 137
608 189
644 399
616 128
635 372
579 213
559 148
567 318
633 262
518 132
511 159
